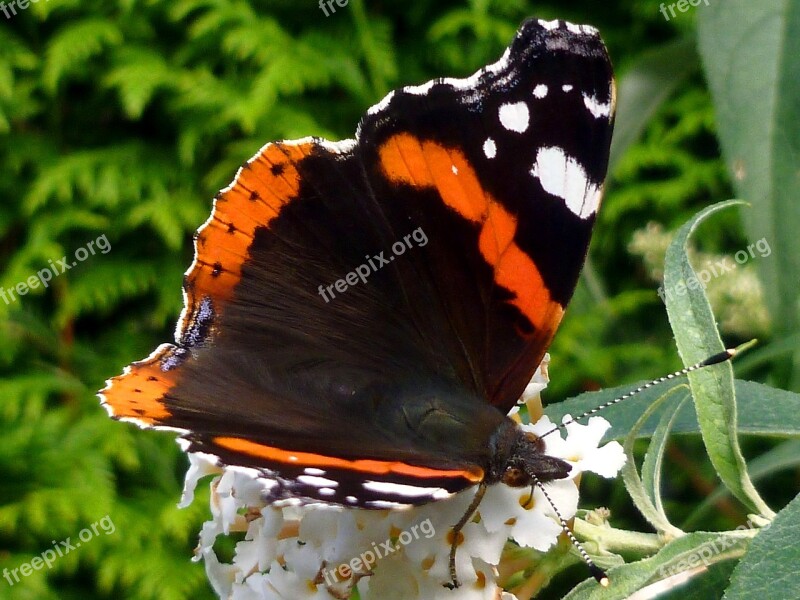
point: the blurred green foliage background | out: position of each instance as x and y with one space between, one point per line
123 118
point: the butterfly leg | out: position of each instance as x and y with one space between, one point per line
454 583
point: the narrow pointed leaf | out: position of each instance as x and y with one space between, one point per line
750 54
697 338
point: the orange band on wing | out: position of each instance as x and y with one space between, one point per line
306 459
409 160
138 392
262 187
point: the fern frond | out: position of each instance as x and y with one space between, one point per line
139 73
70 49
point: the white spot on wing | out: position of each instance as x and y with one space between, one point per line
317 481
467 84
498 65
540 91
420 90
454 169
489 148
386 504
515 117
382 105
549 25
351 499
566 87
340 147
563 176
313 471
597 108
400 489
326 491
574 28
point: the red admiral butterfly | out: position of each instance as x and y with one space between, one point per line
395 386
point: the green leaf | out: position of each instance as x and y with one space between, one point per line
769 569
697 338
780 420
141 72
682 554
784 456
653 458
645 86
763 355
376 44
71 48
749 52
708 584
639 492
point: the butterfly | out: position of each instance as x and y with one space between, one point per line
360 316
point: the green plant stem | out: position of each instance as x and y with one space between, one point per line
620 541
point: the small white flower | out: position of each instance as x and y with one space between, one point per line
320 552
538 382
200 465
530 524
582 448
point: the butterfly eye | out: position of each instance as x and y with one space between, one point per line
515 477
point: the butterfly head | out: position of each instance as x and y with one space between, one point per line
519 458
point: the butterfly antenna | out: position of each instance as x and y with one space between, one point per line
596 571
711 360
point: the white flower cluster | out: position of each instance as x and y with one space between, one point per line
321 552
737 298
